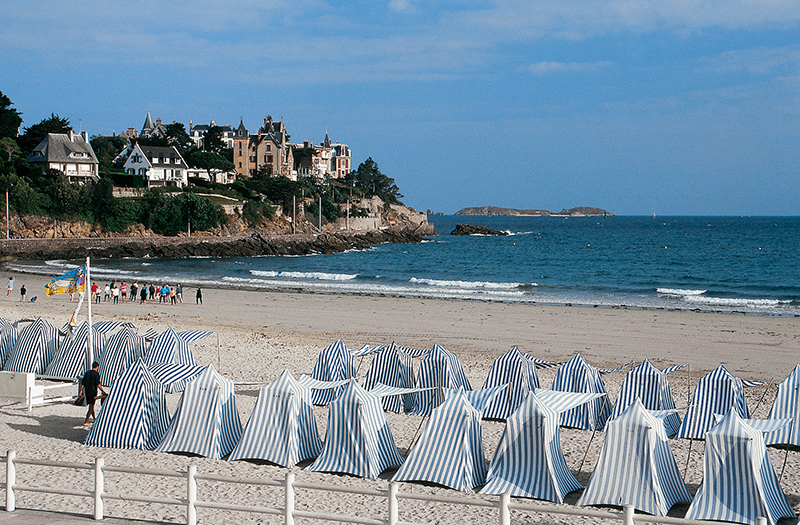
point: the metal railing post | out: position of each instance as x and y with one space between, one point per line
11 479
505 512
393 506
761 521
191 495
99 487
289 507
627 515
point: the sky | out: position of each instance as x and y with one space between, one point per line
673 107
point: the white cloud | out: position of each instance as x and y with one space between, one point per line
543 68
401 6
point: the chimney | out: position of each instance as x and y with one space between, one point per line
158 121
306 144
71 136
85 136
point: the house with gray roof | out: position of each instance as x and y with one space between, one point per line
158 165
70 154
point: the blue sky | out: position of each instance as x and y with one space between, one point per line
639 107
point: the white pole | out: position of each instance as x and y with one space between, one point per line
393 510
99 483
289 507
191 495
88 289
11 479
505 512
627 515
7 235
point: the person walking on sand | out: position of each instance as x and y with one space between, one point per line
22 292
143 295
198 297
179 293
10 286
89 387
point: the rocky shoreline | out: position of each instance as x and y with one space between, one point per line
249 245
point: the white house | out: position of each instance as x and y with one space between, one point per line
69 153
160 166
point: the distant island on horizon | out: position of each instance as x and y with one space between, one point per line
580 211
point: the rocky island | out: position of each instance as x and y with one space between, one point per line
580 211
473 229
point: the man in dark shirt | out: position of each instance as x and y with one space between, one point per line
91 383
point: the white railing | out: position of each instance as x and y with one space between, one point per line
392 495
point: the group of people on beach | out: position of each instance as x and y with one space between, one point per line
23 292
124 292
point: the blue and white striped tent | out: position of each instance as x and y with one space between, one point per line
358 440
442 369
122 348
636 466
282 428
174 377
190 336
528 461
169 347
8 334
34 348
516 370
206 422
392 366
714 395
73 357
739 483
135 413
787 406
334 363
579 376
651 386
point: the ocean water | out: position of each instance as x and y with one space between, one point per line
742 265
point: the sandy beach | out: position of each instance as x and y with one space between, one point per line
262 333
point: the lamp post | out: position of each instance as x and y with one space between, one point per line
7 231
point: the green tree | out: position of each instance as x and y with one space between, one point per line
36 133
10 119
369 179
212 140
9 147
178 137
106 148
209 160
171 215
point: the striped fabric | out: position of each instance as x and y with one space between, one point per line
519 372
439 368
579 376
73 357
450 450
357 440
135 413
715 393
367 350
335 363
104 327
173 376
35 347
150 334
206 422
8 335
316 384
528 461
392 366
479 399
169 347
739 483
787 405
282 428
191 336
382 390
650 385
636 466
542 364
121 349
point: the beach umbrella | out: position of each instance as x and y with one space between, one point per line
169 347
439 369
787 406
206 422
34 348
392 366
282 428
651 386
516 370
135 413
73 357
357 439
739 484
334 363
122 348
636 466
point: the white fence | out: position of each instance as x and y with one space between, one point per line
290 486
22 387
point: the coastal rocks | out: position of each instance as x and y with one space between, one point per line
473 229
39 227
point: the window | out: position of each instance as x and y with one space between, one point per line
269 159
269 147
142 171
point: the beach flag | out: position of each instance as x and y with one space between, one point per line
74 281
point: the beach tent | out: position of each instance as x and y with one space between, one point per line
651 386
175 376
528 461
441 369
392 366
334 363
169 347
8 335
122 348
787 406
450 450
73 357
135 413
739 483
516 370
282 428
714 395
34 348
190 336
206 422
580 377
636 466
357 440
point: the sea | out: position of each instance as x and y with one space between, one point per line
735 265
